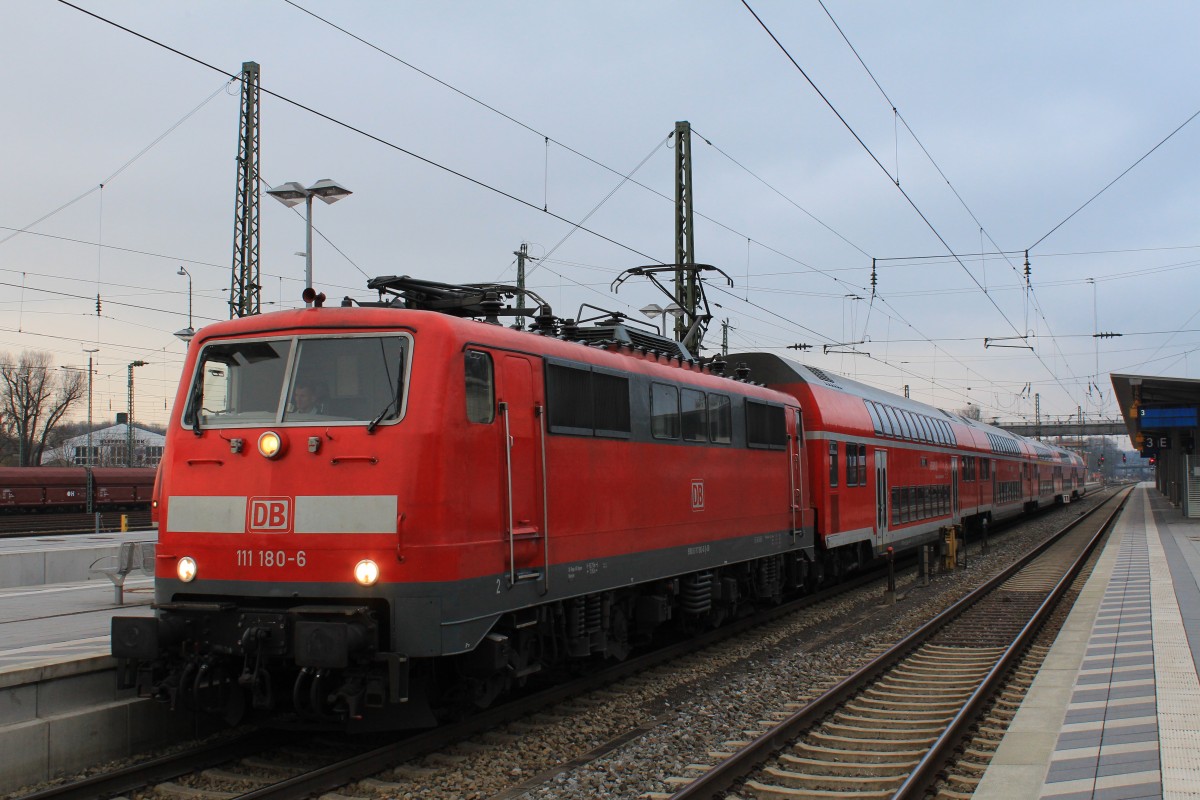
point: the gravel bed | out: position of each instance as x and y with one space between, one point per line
675 715
731 701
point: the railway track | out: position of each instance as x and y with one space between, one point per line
891 729
264 765
501 754
37 524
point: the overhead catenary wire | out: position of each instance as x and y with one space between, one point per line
100 186
548 139
1030 292
361 132
527 203
1127 170
894 180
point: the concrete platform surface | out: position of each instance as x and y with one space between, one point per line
65 621
60 709
1114 713
38 560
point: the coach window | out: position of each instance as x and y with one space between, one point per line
851 464
833 464
720 419
695 414
890 426
481 387
610 394
876 422
766 425
862 465
664 411
569 399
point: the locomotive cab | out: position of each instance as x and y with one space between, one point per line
270 497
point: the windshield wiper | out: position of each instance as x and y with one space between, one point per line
197 404
373 424
397 391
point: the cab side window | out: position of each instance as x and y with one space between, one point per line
664 411
481 386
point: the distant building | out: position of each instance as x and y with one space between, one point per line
108 448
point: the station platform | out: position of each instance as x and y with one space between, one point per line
63 558
1114 713
60 709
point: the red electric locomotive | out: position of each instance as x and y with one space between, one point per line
369 511
369 514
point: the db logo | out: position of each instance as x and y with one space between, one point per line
697 495
269 514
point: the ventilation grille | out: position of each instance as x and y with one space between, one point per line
630 336
822 375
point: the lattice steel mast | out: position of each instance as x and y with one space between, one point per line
244 289
685 246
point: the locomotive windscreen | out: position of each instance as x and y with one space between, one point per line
348 379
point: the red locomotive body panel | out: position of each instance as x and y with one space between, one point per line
448 477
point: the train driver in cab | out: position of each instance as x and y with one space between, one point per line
306 399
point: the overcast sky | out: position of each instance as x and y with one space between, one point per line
1027 109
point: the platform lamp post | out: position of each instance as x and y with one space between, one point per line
187 333
653 311
291 194
129 416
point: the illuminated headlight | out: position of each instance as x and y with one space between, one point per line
366 572
186 568
270 445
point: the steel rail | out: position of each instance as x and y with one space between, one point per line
357 767
928 770
137 776
725 774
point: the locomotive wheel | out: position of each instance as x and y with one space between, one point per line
235 706
618 635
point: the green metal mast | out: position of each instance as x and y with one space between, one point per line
244 289
685 246
522 254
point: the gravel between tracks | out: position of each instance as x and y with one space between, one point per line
729 702
676 714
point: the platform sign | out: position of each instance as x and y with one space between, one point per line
1153 443
1171 417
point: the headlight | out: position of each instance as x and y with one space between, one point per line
186 569
366 572
270 444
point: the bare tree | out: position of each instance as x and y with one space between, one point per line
972 411
33 400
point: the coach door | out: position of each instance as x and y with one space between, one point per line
954 488
881 496
521 407
795 440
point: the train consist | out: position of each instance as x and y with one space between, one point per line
371 515
64 489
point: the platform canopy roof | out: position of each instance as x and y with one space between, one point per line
1137 394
